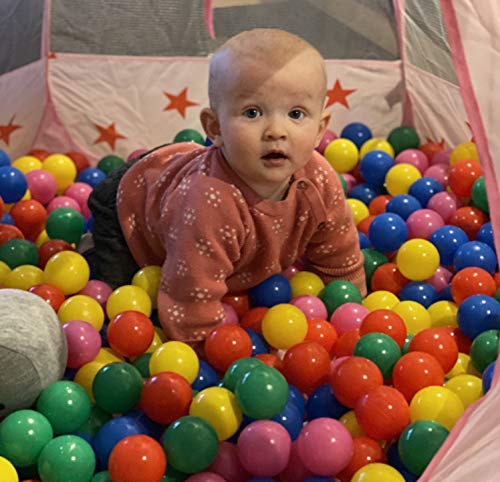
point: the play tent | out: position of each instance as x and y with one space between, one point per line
112 76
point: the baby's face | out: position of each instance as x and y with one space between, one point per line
271 120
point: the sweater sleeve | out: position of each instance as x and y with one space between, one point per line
203 233
333 252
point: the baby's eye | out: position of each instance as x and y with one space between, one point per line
251 113
296 114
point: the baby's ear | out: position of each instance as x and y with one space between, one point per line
323 124
211 126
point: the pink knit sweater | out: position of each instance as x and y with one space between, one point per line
183 208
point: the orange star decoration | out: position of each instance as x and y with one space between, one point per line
179 102
7 130
338 94
108 134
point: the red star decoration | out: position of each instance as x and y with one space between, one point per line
338 94
439 144
179 102
7 130
108 134
52 55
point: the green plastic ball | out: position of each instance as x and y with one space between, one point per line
337 293
484 349
94 422
237 370
174 475
418 444
102 477
23 435
381 349
479 196
110 163
65 404
189 135
402 138
65 223
117 387
406 346
16 252
67 458
142 364
262 392
190 444
372 260
343 182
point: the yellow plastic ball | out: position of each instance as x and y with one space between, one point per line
359 210
350 422
466 150
42 238
177 357
27 163
443 313
82 307
68 271
128 297
62 168
8 472
415 316
342 154
462 366
439 404
468 387
376 144
156 343
26 197
417 259
4 271
23 277
86 374
400 177
377 472
380 300
284 325
218 406
306 283
107 355
148 278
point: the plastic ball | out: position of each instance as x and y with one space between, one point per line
30 217
487 377
339 292
415 157
423 223
13 184
365 192
424 189
387 232
23 277
422 293
189 135
206 477
403 205
342 154
356 132
81 307
414 315
417 259
376 144
478 313
462 176
347 317
177 357
472 281
438 172
306 283
109 163
374 166
484 349
387 277
18 252
50 247
359 210
128 297
328 137
438 343
475 253
284 325
375 472
323 403
468 387
400 177
381 349
447 239
68 271
380 300
98 290
65 223
91 176
311 306
478 194
445 204
385 322
485 235
84 342
378 204
323 333
402 138
130 333
272 291
470 219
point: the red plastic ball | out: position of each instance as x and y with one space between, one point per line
387 277
430 148
462 176
130 333
377 204
252 319
461 339
346 343
30 217
8 232
166 397
306 366
40 154
472 281
271 361
383 413
387 322
323 333
52 295
226 344
51 247
137 458
470 219
414 371
239 301
439 343
2 207
364 225
354 377
80 160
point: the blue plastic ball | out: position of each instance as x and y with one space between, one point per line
424 188
272 291
365 192
478 313
296 397
291 418
356 132
387 232
445 294
208 142
475 253
13 184
447 239
395 461
4 158
423 293
259 344
485 235
91 176
207 377
7 219
374 166
403 205
364 242
323 403
487 376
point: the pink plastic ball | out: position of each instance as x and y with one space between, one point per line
136 153
99 290
440 279
350 180
439 172
80 192
290 271
205 477
347 317
42 185
295 471
227 464
336 362
230 315
264 448
445 204
63 202
84 342
325 446
441 157
422 223
414 157
311 306
328 137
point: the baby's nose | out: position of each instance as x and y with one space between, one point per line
275 129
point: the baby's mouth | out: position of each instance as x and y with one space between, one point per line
274 155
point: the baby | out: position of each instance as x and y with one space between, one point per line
224 218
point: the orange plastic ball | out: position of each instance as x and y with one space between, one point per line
346 342
438 343
472 281
226 344
387 322
470 219
323 333
271 361
252 319
30 217
130 333
239 301
462 176
377 204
